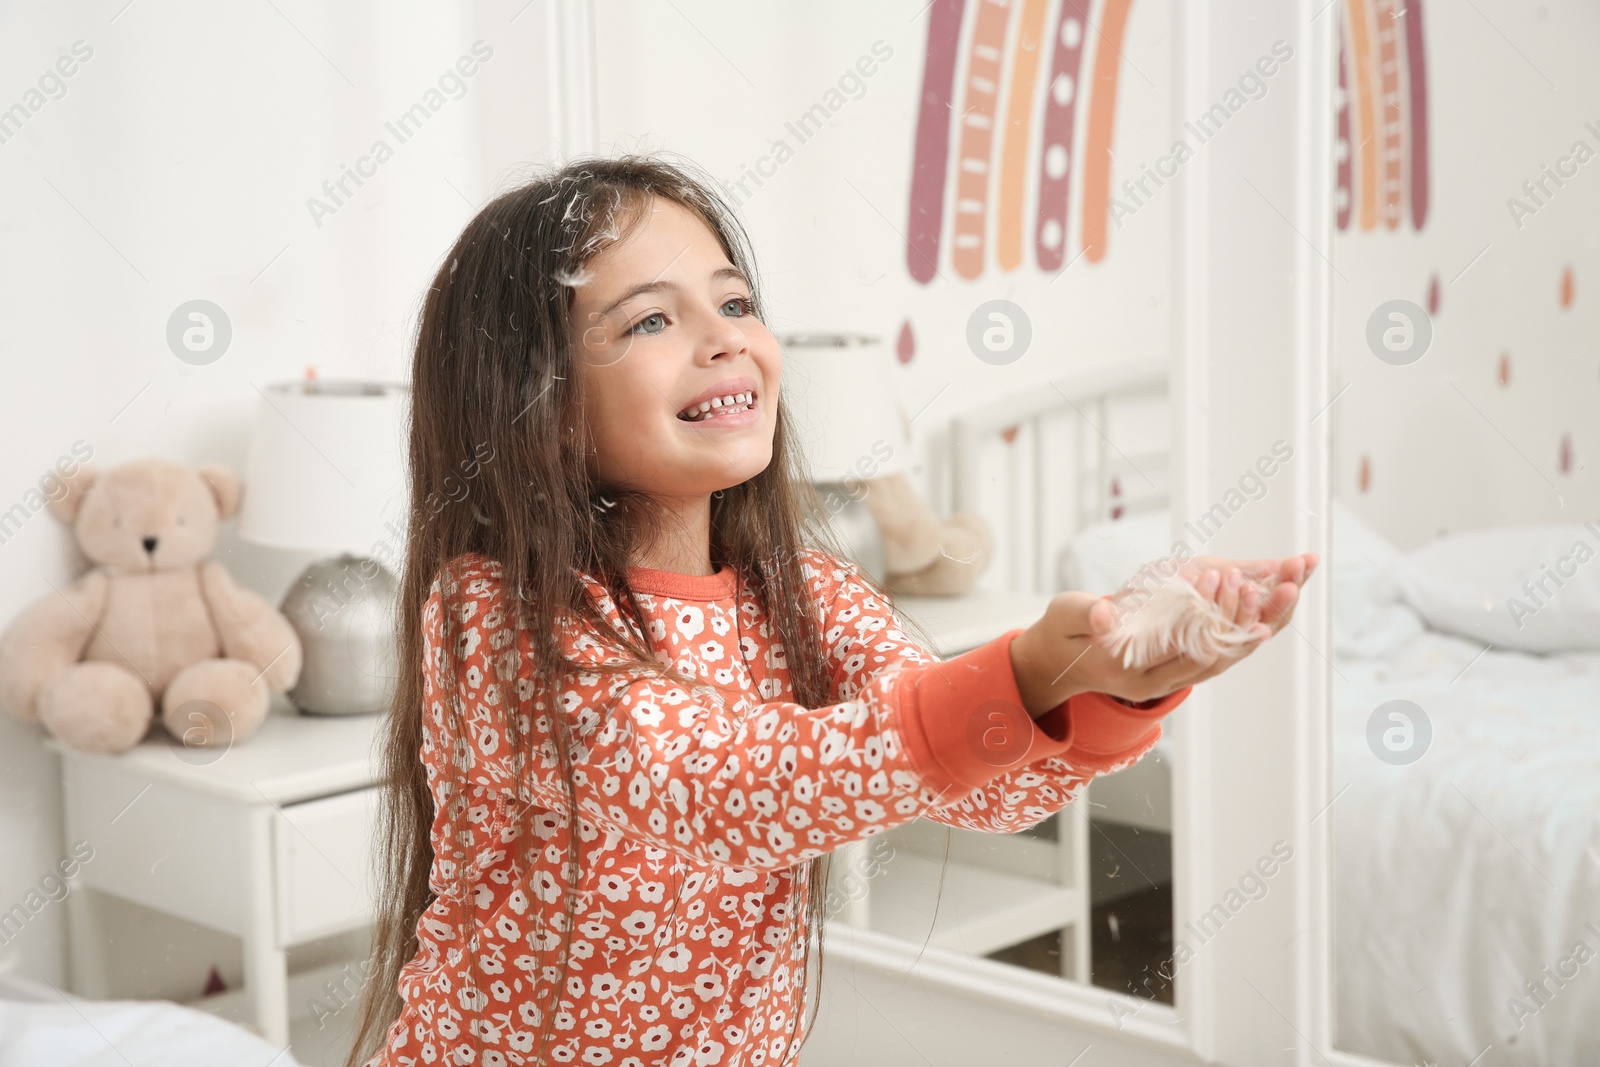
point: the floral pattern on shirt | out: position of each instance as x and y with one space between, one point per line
697 814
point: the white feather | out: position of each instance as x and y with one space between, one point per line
1173 619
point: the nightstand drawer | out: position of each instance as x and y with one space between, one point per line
324 862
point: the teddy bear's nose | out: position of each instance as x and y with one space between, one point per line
149 544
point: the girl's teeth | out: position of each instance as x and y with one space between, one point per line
731 401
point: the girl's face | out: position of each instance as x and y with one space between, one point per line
680 379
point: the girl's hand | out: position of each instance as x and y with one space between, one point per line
1057 657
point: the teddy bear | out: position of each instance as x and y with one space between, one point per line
923 554
154 625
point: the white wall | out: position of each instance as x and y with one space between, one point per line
1447 446
177 165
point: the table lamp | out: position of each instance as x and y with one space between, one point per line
326 473
838 393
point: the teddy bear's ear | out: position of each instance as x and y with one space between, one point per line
65 507
225 485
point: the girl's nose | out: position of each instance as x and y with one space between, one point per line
723 337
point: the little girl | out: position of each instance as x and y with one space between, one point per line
640 703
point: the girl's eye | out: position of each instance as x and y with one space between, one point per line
650 324
741 303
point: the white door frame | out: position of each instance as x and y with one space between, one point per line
574 79
1254 284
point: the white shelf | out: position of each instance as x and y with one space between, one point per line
965 908
960 623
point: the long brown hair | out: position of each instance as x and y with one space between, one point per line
495 375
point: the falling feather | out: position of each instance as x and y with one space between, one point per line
1174 619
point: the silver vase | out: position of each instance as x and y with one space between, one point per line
345 611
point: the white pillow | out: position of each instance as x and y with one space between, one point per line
1356 543
1528 588
1369 622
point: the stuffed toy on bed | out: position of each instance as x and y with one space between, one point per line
154 625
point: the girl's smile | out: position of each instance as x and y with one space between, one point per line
730 404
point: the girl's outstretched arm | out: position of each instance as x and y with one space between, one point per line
684 771
864 637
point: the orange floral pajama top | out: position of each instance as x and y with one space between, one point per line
697 813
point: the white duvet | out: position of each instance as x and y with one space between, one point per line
122 1033
1466 874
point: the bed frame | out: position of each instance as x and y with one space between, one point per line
1044 464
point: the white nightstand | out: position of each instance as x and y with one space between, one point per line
269 840
992 891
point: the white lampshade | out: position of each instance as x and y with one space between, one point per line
838 393
326 469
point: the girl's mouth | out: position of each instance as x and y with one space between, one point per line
728 407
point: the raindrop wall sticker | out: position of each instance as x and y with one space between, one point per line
1383 115
1566 453
1364 478
1433 293
1009 434
1505 368
1566 286
905 346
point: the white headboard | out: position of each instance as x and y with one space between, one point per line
1076 450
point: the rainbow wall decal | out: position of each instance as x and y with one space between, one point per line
993 156
1383 115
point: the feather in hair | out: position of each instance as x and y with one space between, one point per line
1173 619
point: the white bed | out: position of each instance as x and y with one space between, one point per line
1464 874
41 1028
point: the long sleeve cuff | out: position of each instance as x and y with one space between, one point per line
963 722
